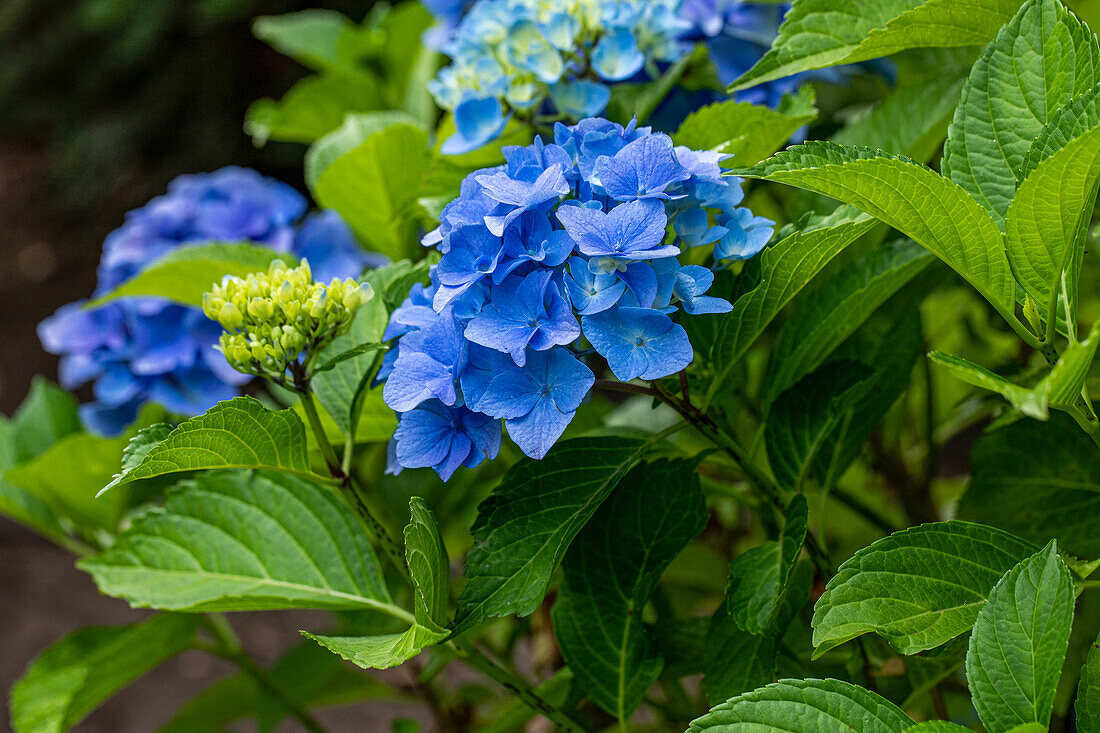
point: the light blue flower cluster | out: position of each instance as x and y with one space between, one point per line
139 350
567 242
515 55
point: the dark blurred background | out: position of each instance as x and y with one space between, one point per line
102 103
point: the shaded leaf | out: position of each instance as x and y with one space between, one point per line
736 660
307 674
1087 706
1019 642
801 422
891 125
236 541
525 526
916 588
76 675
611 569
785 268
758 578
69 474
312 108
1037 480
826 315
47 414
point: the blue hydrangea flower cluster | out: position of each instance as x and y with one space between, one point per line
140 350
517 55
564 244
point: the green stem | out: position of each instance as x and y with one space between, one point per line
391 547
310 408
506 679
229 648
857 506
393 550
764 483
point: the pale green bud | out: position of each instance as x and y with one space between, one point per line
230 317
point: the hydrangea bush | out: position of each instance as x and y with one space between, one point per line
801 436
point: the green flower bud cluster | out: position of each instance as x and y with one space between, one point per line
281 319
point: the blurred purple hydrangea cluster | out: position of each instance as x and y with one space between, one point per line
561 252
139 350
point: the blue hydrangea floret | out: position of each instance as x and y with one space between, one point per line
568 250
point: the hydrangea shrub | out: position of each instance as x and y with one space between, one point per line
800 437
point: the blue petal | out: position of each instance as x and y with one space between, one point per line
477 121
617 57
580 98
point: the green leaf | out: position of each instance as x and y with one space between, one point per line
184 274
801 422
241 541
917 588
929 209
350 135
430 570
891 125
74 676
47 414
759 578
311 37
820 33
1087 706
1046 221
382 651
16 503
342 389
1038 62
829 313
611 570
1030 402
785 268
237 433
1070 122
796 706
374 187
525 526
1037 480
1019 642
68 476
736 660
749 132
313 108
937 726
1060 388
